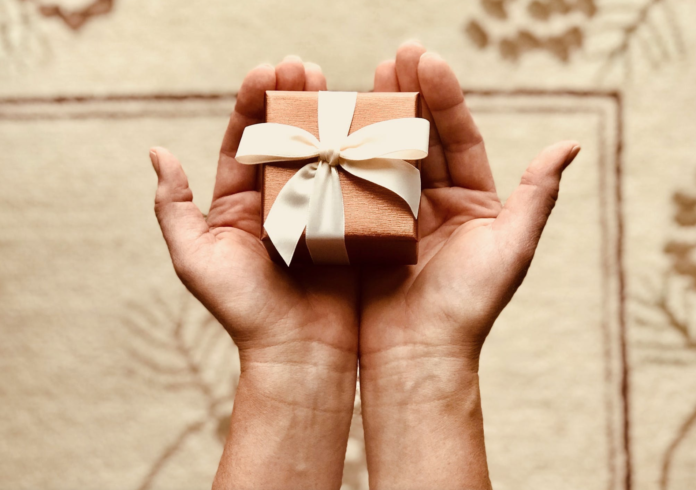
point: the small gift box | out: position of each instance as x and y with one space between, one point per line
340 178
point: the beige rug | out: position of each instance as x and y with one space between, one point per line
113 377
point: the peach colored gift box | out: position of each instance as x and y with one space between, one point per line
379 226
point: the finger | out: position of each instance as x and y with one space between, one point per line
461 140
181 221
527 210
233 177
314 77
406 65
385 77
434 171
290 74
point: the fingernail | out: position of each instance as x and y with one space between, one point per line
155 160
431 54
571 156
292 57
312 66
413 41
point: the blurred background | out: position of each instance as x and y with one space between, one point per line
112 376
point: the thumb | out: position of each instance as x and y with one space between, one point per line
181 221
528 208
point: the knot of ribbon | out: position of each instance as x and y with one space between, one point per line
329 155
311 201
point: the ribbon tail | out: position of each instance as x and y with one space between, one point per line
400 177
326 221
288 215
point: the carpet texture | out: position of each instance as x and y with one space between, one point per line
112 376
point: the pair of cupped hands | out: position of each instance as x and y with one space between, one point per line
416 332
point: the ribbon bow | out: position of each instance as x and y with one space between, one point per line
312 198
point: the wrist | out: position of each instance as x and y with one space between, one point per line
417 373
291 418
308 375
421 410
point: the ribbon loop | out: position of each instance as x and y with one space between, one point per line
312 201
291 143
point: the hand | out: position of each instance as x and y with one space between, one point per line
296 329
423 326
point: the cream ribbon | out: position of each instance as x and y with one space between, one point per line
312 198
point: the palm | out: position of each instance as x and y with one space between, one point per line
224 263
459 257
473 251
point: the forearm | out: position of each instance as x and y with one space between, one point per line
423 422
291 419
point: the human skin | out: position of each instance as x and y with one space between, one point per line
418 330
422 326
296 329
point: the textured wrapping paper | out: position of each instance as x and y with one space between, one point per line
379 227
